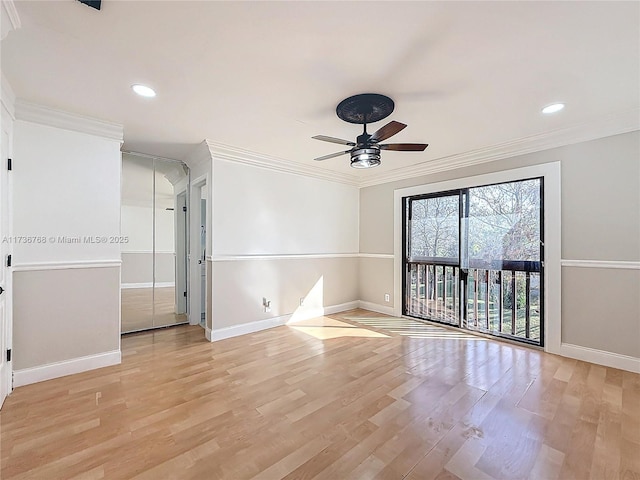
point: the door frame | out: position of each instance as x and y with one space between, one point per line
194 281
552 251
181 229
6 217
464 265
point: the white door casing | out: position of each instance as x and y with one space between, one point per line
5 250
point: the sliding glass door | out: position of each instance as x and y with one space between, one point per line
473 259
432 273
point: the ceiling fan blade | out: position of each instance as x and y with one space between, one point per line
331 155
387 131
405 147
324 138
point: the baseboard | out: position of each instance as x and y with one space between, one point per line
252 327
41 373
147 285
374 307
207 334
341 307
600 357
303 313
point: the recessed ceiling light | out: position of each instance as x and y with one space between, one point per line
143 90
553 108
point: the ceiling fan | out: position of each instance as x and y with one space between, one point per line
363 109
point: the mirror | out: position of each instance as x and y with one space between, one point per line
154 259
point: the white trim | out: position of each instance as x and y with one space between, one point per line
127 286
41 373
613 124
31 112
376 255
251 327
552 227
199 159
601 264
123 252
7 97
236 258
608 125
207 334
259 325
220 151
12 13
601 357
28 267
375 307
605 126
341 307
308 313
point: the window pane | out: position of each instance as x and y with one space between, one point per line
434 227
504 223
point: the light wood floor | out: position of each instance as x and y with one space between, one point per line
144 308
327 399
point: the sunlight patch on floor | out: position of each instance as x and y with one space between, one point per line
411 328
325 328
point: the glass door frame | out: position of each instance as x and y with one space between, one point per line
435 261
464 263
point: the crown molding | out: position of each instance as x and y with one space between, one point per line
613 124
8 98
199 158
31 112
606 126
9 9
175 175
221 151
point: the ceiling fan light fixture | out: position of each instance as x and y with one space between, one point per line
365 158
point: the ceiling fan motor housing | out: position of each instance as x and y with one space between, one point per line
365 108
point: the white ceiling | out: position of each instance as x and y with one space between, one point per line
266 76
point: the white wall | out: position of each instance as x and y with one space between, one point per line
278 235
259 211
66 184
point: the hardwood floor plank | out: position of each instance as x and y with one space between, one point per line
408 401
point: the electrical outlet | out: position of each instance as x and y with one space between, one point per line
387 297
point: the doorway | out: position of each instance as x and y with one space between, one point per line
473 258
200 246
203 255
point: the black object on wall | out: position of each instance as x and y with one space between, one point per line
92 3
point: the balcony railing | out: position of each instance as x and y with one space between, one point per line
500 298
433 292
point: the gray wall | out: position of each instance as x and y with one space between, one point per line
65 314
283 281
600 221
